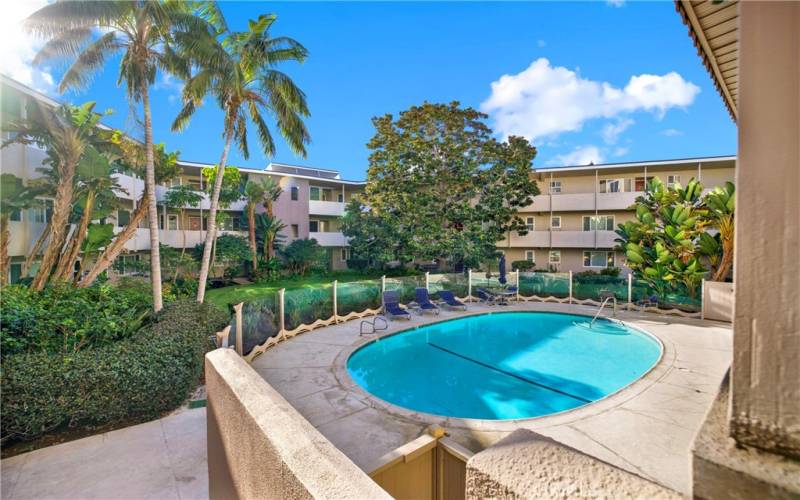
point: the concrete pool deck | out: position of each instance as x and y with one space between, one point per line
646 428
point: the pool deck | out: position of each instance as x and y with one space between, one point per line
646 428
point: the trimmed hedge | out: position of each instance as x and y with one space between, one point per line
135 379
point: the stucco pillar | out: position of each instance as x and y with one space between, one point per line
765 384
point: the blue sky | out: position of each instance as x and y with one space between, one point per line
602 82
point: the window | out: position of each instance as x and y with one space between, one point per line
194 223
196 184
127 264
640 184
15 273
598 223
530 223
345 253
172 222
555 256
295 231
555 186
15 216
295 193
315 226
555 222
598 259
39 215
611 186
173 182
530 256
672 180
314 194
340 198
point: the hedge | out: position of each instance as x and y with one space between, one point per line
135 379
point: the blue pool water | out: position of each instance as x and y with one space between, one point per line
504 365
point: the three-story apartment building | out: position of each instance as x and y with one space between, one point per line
571 223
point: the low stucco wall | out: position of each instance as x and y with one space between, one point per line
528 465
259 446
718 299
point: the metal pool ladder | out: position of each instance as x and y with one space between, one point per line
373 325
606 296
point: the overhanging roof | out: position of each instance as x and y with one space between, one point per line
714 29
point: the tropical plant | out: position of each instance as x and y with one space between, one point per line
254 194
272 191
302 254
268 233
721 205
14 197
144 32
182 197
240 73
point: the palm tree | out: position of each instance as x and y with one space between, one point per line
721 203
272 192
181 197
66 132
239 72
143 32
14 197
254 194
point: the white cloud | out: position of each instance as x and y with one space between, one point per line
582 155
18 48
615 3
611 131
671 132
545 100
541 43
170 84
620 151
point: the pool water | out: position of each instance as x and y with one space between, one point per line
504 365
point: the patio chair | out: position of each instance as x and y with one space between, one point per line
424 301
450 300
391 306
486 296
651 301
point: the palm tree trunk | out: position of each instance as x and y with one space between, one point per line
62 207
4 237
183 250
118 245
67 263
212 220
727 260
271 235
37 247
251 223
152 208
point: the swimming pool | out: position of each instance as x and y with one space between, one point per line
504 365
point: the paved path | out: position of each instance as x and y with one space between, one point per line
162 459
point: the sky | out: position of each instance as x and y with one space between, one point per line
599 82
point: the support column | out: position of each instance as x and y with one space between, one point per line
239 328
765 392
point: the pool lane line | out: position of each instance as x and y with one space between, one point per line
518 377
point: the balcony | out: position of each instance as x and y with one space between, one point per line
573 202
330 208
583 239
532 239
329 239
616 201
170 237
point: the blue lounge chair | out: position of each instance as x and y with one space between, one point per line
391 306
450 300
486 296
424 301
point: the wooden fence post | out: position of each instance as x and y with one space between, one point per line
335 305
469 285
281 312
702 299
630 291
570 286
517 285
239 332
427 280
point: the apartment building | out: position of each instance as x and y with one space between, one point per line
571 223
311 204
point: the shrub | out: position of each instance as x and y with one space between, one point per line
611 271
62 318
522 265
357 264
303 255
134 379
592 277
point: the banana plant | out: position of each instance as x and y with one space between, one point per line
721 203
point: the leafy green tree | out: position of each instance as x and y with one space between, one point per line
268 233
373 238
437 177
302 254
144 33
14 197
239 71
272 191
182 197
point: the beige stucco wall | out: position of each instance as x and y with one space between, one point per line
718 301
259 446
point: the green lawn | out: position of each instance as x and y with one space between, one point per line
222 297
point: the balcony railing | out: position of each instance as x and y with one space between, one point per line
330 208
329 239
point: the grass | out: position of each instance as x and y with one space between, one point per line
222 297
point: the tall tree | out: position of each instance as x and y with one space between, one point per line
14 197
86 34
239 71
254 194
182 197
437 177
272 191
65 132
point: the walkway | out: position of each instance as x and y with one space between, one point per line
162 459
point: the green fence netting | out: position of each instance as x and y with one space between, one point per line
458 283
357 296
306 305
544 284
594 286
677 298
405 287
259 322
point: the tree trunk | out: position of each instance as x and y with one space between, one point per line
251 223
37 247
271 236
212 220
67 263
118 245
727 260
183 250
62 207
152 208
4 237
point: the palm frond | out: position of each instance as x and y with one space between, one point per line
65 45
66 15
79 75
264 135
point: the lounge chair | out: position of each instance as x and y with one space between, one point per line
450 300
424 301
391 306
651 301
486 296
